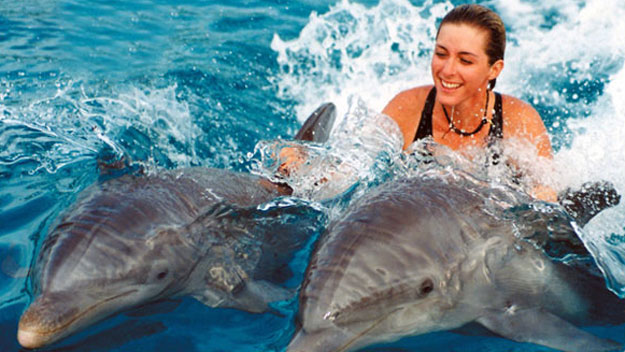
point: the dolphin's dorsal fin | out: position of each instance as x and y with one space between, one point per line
318 125
543 328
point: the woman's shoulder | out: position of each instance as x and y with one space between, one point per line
518 113
520 119
405 108
416 93
407 101
516 105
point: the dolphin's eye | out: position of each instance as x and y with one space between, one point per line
427 286
161 275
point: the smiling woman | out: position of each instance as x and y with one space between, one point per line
461 111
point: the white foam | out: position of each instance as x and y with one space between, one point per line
353 50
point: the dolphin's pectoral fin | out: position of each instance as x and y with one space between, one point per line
256 296
231 288
253 297
543 328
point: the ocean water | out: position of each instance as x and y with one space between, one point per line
165 84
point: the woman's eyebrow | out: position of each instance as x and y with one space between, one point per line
439 46
467 53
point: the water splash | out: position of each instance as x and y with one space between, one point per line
359 150
149 126
354 50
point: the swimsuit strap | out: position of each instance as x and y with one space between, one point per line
496 129
425 124
495 133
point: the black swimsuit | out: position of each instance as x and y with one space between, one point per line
495 133
425 125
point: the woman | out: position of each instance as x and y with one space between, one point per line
460 110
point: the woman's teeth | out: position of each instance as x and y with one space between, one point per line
450 85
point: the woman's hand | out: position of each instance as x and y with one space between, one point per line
545 193
291 158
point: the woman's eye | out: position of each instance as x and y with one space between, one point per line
466 62
439 54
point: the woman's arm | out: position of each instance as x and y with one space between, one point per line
522 122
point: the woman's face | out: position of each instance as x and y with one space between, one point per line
460 67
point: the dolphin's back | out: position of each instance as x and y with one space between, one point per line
120 211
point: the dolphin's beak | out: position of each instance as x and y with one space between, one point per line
45 321
56 315
30 339
323 340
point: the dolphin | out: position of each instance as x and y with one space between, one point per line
133 240
434 252
139 239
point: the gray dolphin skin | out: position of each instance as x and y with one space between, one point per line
138 239
431 253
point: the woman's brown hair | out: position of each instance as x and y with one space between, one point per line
486 19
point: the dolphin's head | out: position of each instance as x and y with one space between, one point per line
392 266
84 275
417 306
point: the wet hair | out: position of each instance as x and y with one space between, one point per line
482 18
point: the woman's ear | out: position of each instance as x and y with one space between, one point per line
495 69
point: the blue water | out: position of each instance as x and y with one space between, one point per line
166 84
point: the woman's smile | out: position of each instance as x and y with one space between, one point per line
449 85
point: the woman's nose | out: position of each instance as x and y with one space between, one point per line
449 67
